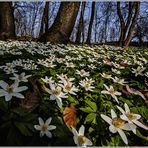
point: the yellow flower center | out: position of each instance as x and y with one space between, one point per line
68 87
131 116
82 72
117 122
56 92
81 139
44 127
20 77
112 91
49 64
87 85
9 89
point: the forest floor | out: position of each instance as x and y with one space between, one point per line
103 88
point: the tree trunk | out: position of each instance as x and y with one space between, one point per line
44 22
88 40
122 24
7 26
130 13
131 29
81 25
63 25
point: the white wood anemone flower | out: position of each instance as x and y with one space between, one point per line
105 75
131 117
119 81
47 80
63 78
138 71
79 138
110 90
20 77
68 87
44 127
118 125
87 84
82 73
11 90
56 93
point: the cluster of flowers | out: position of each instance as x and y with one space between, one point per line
78 59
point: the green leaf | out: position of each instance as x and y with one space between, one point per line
141 136
92 105
91 118
23 129
87 109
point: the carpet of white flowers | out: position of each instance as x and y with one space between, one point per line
70 95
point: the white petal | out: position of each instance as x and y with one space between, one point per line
41 122
3 84
8 97
121 110
112 129
18 95
48 134
74 131
118 93
140 124
106 118
52 97
3 92
87 142
105 92
59 102
75 138
42 134
81 130
48 121
51 127
113 114
129 126
22 88
123 136
37 127
124 117
137 116
115 98
126 108
106 86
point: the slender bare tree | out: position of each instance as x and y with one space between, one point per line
88 40
127 27
80 30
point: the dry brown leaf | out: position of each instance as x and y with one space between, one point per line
69 116
124 90
31 98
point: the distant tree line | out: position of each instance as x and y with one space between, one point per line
76 22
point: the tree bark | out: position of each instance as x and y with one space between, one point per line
81 25
122 24
44 22
88 40
63 25
127 27
7 26
131 29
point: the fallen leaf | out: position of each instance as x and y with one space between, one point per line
31 98
69 116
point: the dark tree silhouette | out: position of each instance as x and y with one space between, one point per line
80 31
127 27
7 26
88 40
